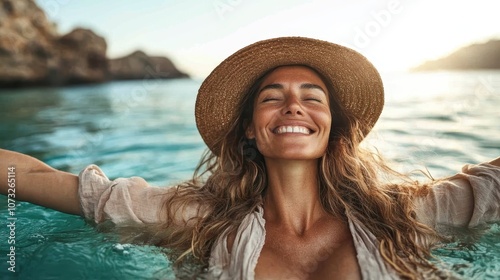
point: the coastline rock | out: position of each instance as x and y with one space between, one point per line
82 58
32 53
473 57
26 40
138 65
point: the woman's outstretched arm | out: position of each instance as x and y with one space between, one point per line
467 199
38 183
496 161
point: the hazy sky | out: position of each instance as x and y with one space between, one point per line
198 34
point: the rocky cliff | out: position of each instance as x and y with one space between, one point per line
476 56
33 53
138 65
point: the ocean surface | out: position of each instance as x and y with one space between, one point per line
435 121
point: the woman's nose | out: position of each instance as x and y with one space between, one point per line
292 106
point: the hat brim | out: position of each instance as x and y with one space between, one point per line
354 79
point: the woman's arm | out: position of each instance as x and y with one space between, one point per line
38 183
496 161
467 199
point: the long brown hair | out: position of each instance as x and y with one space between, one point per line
230 185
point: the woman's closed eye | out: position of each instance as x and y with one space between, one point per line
271 98
320 98
314 99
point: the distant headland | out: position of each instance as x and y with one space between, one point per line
32 53
473 57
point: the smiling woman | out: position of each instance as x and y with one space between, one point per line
292 117
291 125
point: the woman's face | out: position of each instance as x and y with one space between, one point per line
291 116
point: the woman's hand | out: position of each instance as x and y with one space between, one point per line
38 183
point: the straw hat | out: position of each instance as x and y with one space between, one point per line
354 78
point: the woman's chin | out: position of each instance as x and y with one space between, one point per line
294 155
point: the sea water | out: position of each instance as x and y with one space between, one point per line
435 121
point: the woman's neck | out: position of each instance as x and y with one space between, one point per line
292 197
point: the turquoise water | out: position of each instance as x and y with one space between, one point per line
437 121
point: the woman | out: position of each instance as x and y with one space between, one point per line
285 191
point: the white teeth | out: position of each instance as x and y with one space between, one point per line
292 129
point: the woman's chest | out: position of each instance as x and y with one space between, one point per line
321 253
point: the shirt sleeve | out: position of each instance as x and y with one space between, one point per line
467 199
124 201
